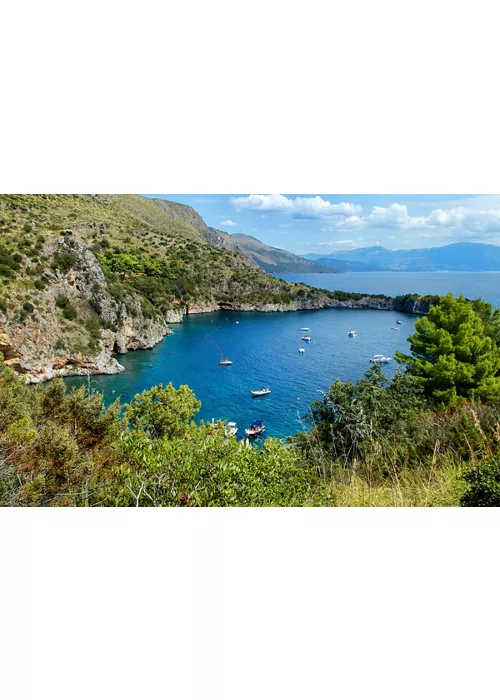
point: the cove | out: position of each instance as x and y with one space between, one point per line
264 349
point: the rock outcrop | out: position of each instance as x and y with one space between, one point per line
45 344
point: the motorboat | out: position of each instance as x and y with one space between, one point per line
395 328
261 392
306 337
301 350
231 429
380 359
304 329
225 362
399 322
256 429
352 334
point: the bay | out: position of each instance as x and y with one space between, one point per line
264 348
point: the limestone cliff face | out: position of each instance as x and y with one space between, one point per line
45 344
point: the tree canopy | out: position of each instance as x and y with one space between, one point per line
454 352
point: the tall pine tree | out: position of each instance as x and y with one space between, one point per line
455 352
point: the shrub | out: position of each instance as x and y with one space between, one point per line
483 484
64 261
69 313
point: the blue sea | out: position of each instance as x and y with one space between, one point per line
264 349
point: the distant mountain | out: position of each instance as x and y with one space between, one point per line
459 257
342 265
274 260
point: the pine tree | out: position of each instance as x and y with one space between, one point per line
454 352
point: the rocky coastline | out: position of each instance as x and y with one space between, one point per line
33 359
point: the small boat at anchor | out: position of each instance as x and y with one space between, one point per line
256 429
352 334
261 392
304 329
225 362
399 322
231 429
301 350
380 359
306 337
395 328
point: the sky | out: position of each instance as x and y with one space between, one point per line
327 223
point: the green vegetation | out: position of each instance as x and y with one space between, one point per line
455 354
483 484
59 449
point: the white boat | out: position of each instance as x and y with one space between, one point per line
301 350
352 334
261 392
399 322
306 337
395 328
380 359
304 329
225 362
231 429
256 429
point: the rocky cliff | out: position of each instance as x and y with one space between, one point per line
77 325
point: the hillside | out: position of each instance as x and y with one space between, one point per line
85 277
460 257
268 258
274 260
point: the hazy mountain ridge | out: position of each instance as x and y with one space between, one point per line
275 260
455 257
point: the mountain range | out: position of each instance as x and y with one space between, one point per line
458 257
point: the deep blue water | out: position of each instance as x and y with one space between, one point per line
264 350
474 285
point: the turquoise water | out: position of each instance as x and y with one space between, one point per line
474 285
265 351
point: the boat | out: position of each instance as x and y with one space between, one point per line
394 328
399 322
352 334
261 392
231 429
304 329
225 362
301 350
256 429
380 359
306 337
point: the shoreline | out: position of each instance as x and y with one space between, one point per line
107 364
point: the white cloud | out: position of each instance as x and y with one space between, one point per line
394 216
462 220
298 207
473 220
228 222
